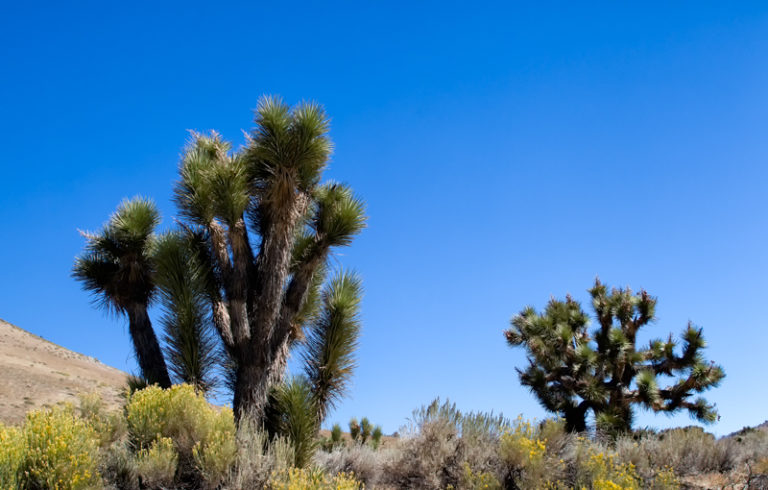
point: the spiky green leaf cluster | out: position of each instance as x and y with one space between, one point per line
116 265
291 413
191 348
329 356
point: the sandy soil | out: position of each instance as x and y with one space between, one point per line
35 373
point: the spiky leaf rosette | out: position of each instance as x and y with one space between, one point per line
332 341
214 184
191 348
291 414
116 265
288 144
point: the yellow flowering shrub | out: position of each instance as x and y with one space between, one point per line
521 446
182 415
108 426
471 480
60 451
665 480
11 455
156 465
312 479
524 453
215 455
603 472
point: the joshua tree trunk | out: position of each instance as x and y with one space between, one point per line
253 380
576 418
250 394
146 346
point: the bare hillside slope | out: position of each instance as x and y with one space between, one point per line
35 373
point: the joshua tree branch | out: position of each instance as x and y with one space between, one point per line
273 266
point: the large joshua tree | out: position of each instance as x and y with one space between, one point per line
573 371
270 228
117 267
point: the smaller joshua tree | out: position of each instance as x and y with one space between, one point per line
117 267
572 371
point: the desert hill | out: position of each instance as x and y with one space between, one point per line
38 373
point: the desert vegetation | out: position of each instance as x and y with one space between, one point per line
247 278
173 438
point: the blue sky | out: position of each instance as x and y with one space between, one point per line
507 152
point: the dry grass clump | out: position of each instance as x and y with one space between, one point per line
444 448
749 446
257 458
365 462
685 451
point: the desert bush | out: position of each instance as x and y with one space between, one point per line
119 467
202 435
109 427
365 462
664 479
214 458
440 442
471 480
60 451
685 451
11 456
747 446
257 457
430 459
602 471
524 452
179 413
157 464
311 479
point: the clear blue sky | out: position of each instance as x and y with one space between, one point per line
507 153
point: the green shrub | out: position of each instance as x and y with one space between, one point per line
60 451
157 464
336 436
365 429
376 437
